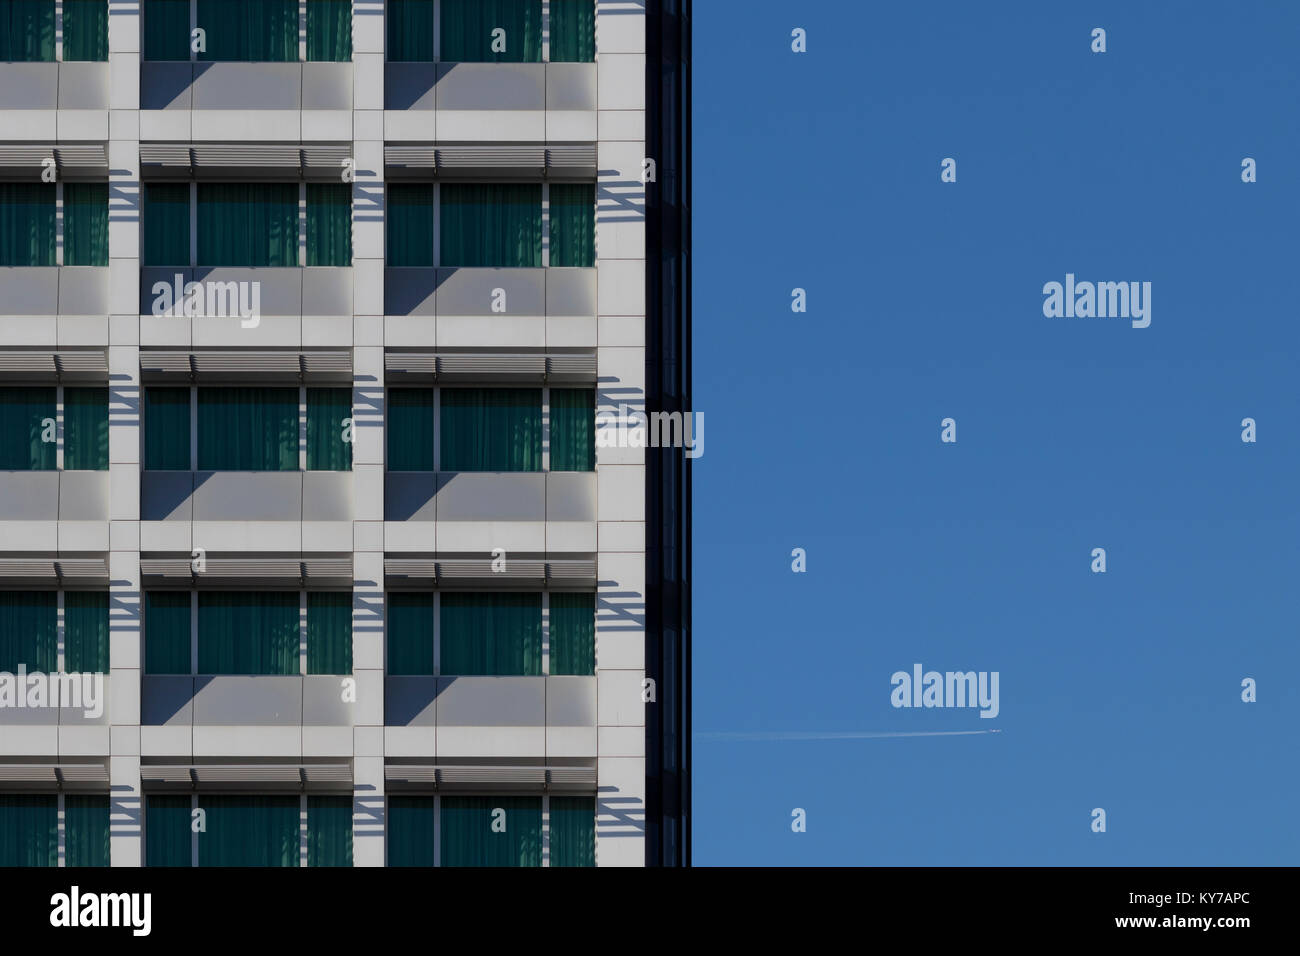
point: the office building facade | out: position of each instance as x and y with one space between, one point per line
312 317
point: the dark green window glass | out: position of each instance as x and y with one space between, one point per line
167 831
29 631
408 224
329 632
329 30
409 827
85 224
167 30
410 30
248 224
410 429
85 824
249 831
248 632
329 224
573 429
29 829
26 31
248 429
85 429
85 30
167 429
167 632
491 634
573 224
329 831
491 429
28 212
469 838
491 225
573 634
166 224
27 428
251 31
469 31
329 429
573 828
408 624
85 632
573 31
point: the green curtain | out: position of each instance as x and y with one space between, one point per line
573 633
85 429
329 831
329 223
491 634
29 829
166 224
408 625
167 632
248 224
573 224
26 30
27 224
85 632
249 831
329 632
573 429
167 831
491 225
85 224
491 429
166 29
25 414
85 826
85 30
408 224
409 826
244 632
468 837
29 631
257 31
410 30
410 429
329 30
573 31
327 410
250 428
573 828
167 429
467 27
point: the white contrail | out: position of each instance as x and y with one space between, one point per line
835 735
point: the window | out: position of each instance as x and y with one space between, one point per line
263 31
573 31
329 34
470 831
29 829
259 830
491 31
167 429
85 30
329 429
28 212
329 224
490 429
470 839
85 224
408 224
167 29
29 632
573 224
248 632
166 223
489 633
491 224
29 420
410 30
85 822
247 224
27 30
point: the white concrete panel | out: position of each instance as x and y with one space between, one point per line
247 741
411 742
83 536
620 81
477 126
620 536
622 741
24 125
486 535
82 125
30 535
166 741
614 125
620 493
620 288
619 698
491 742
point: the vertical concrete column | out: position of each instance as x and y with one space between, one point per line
620 472
125 597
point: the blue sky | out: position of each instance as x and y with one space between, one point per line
1119 690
